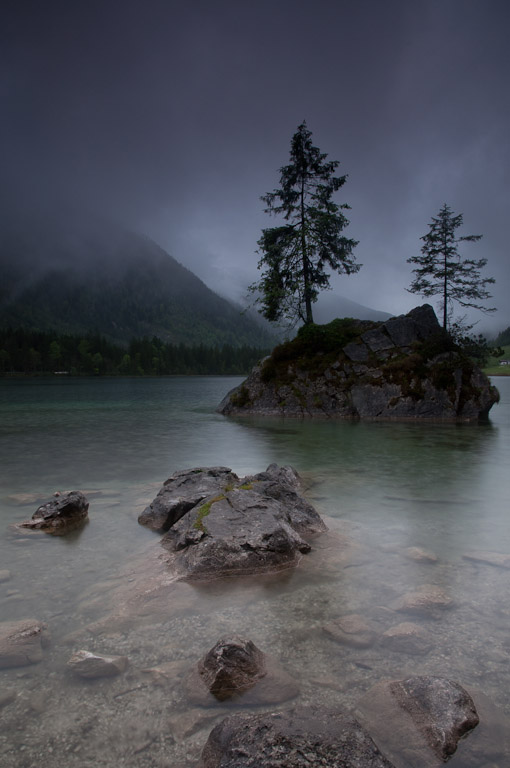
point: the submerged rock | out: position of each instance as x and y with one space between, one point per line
242 525
92 665
22 642
351 630
60 515
489 558
407 638
428 601
404 368
420 555
303 736
235 669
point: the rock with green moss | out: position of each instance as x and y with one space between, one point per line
259 523
406 368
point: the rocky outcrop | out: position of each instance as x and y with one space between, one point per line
405 368
22 642
236 669
303 736
219 524
60 515
92 665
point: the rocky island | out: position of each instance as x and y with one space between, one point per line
406 368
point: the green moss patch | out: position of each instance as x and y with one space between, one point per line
204 511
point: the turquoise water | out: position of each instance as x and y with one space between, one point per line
383 486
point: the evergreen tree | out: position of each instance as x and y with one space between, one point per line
296 255
441 271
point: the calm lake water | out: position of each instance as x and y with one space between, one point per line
384 486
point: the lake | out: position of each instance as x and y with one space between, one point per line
385 486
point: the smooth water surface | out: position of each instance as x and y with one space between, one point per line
386 487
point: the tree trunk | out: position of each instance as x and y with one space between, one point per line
304 254
445 285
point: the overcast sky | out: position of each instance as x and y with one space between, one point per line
174 117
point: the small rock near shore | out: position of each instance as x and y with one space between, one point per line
60 515
91 665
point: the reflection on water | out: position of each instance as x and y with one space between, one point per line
386 487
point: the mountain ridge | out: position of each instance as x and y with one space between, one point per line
119 284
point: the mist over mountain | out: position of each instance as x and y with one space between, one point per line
78 277
330 306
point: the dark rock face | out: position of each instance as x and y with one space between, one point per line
441 709
387 372
21 642
183 491
419 721
301 737
60 515
227 525
236 670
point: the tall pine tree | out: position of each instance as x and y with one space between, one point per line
296 256
441 271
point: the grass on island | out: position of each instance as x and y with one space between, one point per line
494 368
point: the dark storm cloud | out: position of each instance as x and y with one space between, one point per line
175 116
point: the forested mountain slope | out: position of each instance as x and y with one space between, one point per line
119 284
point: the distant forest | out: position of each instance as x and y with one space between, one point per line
503 340
34 353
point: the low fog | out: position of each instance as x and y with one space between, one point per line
172 120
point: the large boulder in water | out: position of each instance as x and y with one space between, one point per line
259 523
303 736
60 515
405 368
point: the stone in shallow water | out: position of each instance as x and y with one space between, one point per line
60 515
428 600
301 737
407 638
5 575
418 721
420 555
235 669
490 558
7 697
254 525
91 665
21 642
351 630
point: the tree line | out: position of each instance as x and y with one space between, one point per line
35 353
